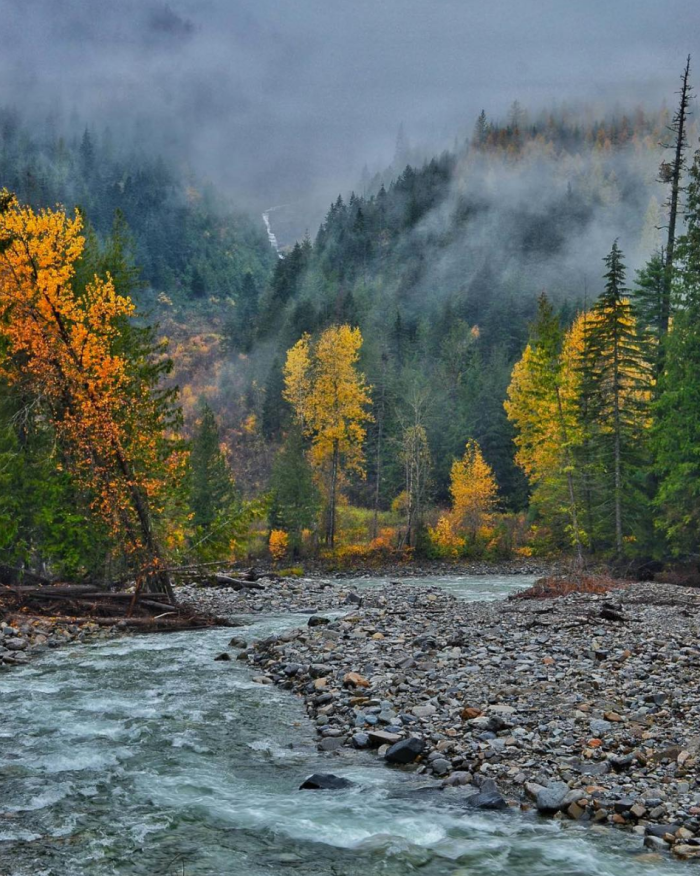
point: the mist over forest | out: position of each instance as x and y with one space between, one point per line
370 329
428 198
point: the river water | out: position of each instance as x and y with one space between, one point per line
144 756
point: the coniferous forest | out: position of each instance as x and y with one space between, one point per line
488 353
355 347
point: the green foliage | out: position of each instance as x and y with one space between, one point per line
616 389
185 240
44 522
677 427
216 513
295 502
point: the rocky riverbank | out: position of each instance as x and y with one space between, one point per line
586 707
21 641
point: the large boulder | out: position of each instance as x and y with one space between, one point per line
551 799
325 782
405 751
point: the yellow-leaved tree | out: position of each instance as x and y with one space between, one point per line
71 352
474 491
330 399
544 404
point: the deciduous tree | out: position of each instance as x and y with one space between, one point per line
330 398
63 347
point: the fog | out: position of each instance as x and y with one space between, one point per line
285 101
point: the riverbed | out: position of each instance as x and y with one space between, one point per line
144 756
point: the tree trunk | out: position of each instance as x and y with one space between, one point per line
568 459
678 128
330 532
378 464
617 453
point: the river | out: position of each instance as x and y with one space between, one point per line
144 756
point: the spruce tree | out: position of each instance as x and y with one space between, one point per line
212 492
676 438
648 306
616 383
295 501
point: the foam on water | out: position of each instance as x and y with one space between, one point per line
144 756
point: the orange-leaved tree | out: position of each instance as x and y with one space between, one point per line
330 399
71 349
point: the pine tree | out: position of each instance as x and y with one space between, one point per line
616 383
648 307
212 489
676 438
275 409
295 500
481 130
671 173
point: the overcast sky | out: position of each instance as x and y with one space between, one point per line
277 100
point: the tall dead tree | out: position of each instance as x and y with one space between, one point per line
671 174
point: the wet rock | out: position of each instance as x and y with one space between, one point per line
551 798
488 797
325 782
405 751
331 743
382 737
237 642
15 644
440 766
318 621
223 656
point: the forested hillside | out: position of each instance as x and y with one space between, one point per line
441 268
462 360
187 241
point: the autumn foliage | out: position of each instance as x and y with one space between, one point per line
330 399
63 349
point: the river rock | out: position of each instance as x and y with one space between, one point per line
318 621
488 797
405 751
551 798
325 782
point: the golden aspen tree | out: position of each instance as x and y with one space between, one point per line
543 404
62 345
330 399
474 490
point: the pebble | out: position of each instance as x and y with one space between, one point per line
591 718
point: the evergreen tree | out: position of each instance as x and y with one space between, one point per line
481 130
213 499
295 501
677 428
616 382
648 307
274 407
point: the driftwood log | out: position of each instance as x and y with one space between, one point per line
82 604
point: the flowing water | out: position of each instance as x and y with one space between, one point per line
144 756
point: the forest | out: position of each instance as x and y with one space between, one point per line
489 353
